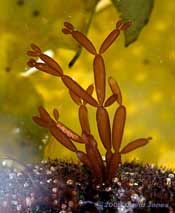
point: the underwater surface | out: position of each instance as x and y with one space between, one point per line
144 69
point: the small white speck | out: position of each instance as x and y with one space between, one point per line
70 204
16 130
131 173
63 206
19 207
54 190
115 180
36 171
11 176
81 202
19 174
28 201
40 147
108 189
168 181
52 168
26 184
98 187
14 202
69 182
4 163
55 202
55 181
104 158
134 197
44 161
171 175
44 141
48 172
49 180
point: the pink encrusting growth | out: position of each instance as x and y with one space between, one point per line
111 138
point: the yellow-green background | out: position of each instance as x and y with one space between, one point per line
145 72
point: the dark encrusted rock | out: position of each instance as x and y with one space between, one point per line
57 186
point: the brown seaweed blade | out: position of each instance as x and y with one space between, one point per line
99 77
119 24
95 166
126 25
114 163
79 37
84 121
35 48
118 127
91 155
32 53
56 114
69 25
84 159
109 40
45 68
51 63
78 90
94 144
31 62
43 113
75 98
84 41
69 133
66 31
103 125
90 89
45 116
40 121
110 100
115 89
96 161
108 157
62 138
135 144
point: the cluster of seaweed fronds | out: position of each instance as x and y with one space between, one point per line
104 171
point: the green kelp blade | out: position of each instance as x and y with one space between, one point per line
137 11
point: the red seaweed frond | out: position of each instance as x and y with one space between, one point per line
111 138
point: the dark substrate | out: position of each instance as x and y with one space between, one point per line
57 186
